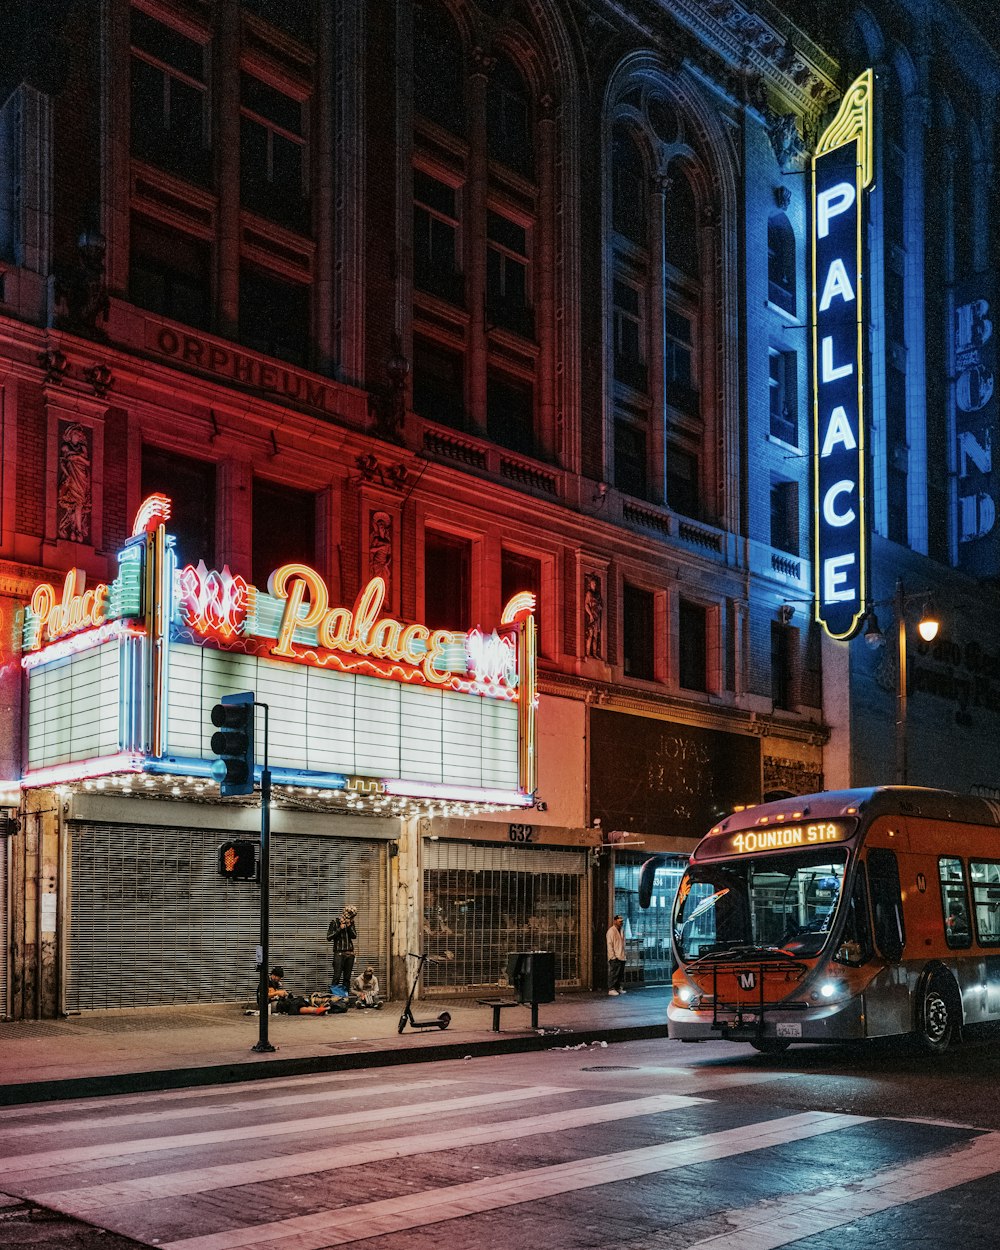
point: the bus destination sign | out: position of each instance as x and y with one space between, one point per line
785 837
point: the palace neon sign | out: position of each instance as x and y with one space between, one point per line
51 617
360 630
842 170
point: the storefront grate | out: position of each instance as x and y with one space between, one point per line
481 903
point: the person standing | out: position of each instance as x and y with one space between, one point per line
616 958
341 933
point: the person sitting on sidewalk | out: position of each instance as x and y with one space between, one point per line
365 986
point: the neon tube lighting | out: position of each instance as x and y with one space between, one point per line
102 766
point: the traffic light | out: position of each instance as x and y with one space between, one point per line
233 744
238 861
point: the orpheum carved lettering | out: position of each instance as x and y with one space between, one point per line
252 371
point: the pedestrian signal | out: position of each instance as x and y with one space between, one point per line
233 744
238 861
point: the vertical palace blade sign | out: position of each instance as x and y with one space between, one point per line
842 171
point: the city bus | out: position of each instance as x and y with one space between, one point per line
850 914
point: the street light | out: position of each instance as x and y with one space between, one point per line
927 628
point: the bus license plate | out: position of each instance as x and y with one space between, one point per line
788 1030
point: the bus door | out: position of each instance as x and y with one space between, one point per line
887 1001
887 903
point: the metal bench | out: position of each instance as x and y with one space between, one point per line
498 1004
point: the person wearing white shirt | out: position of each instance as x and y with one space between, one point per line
616 958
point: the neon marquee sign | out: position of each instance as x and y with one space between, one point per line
842 170
211 603
294 621
51 618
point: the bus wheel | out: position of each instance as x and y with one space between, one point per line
771 1045
936 1021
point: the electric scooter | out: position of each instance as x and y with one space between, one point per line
438 1022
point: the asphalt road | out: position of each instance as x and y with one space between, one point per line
647 1144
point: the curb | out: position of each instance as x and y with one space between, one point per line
255 1070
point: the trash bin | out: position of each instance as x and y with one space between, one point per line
533 975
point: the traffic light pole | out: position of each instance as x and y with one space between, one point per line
265 880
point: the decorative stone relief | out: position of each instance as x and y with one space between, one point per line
593 617
74 491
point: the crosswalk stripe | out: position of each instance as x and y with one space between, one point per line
343 1225
158 1116
775 1224
45 1163
86 1200
263 1085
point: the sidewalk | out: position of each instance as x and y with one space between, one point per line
141 1049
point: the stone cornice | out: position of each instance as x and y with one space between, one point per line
730 38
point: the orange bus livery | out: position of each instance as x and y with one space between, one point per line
848 914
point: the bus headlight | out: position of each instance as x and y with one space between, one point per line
830 989
684 994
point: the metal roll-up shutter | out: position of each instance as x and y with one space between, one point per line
152 921
483 902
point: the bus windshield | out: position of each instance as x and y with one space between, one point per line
778 901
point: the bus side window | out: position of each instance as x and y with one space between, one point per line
985 878
887 903
954 902
856 944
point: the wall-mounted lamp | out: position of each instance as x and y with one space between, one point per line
600 493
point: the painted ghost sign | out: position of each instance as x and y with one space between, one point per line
975 416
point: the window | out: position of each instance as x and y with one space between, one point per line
273 173
507 275
628 188
169 273
190 485
438 384
517 573
783 395
898 451
637 633
294 19
447 581
678 353
284 528
508 119
692 646
435 239
681 226
683 493
170 123
630 459
438 74
510 413
954 902
274 315
985 879
781 665
781 262
630 334
785 516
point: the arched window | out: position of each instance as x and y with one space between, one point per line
781 262
438 70
628 189
680 242
508 119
